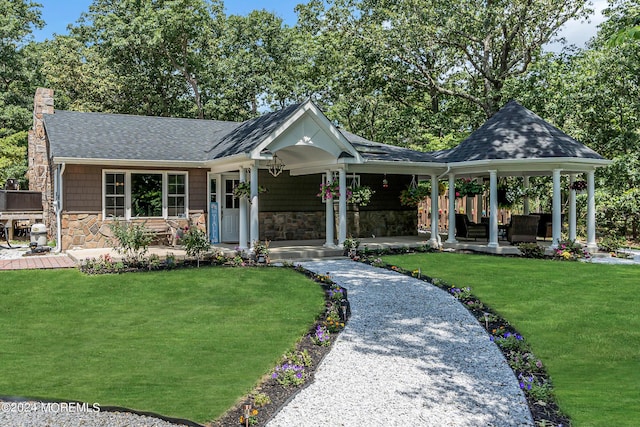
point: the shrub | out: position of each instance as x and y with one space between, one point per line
569 250
611 243
133 240
196 243
531 250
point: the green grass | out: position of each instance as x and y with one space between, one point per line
183 343
582 320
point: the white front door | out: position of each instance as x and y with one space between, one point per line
230 224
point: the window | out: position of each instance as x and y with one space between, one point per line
145 194
177 194
114 195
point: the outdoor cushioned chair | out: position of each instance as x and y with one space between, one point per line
544 225
468 229
523 229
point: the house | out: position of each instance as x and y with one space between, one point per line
94 168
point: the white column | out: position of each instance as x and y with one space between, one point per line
479 199
434 241
255 217
452 209
572 208
493 209
242 237
591 212
525 202
329 214
342 207
557 208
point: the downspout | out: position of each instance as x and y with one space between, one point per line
58 206
446 172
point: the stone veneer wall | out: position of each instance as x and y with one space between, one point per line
40 168
311 225
89 231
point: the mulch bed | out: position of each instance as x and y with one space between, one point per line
278 394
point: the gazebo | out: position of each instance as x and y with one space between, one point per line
517 142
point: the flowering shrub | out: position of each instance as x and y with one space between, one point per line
569 250
324 278
321 336
289 375
461 293
336 293
252 418
537 388
509 341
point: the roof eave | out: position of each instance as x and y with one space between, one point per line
128 162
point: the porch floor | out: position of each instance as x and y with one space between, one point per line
301 250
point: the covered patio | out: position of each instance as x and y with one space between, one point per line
515 142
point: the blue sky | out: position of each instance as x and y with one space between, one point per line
58 14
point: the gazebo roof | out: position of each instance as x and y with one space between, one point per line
516 133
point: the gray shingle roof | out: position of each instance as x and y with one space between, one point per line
250 134
515 132
125 137
376 151
512 133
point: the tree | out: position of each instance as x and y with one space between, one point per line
18 18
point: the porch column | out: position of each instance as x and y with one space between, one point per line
255 213
329 214
493 209
242 219
557 207
452 209
591 212
572 208
434 241
342 207
525 202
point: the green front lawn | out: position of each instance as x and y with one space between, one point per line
185 343
582 320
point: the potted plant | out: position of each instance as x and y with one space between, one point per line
329 190
468 187
414 194
243 190
361 195
261 252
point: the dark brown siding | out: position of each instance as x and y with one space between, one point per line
290 193
82 188
298 193
198 189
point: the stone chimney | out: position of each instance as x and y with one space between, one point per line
39 172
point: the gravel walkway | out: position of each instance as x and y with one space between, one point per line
410 355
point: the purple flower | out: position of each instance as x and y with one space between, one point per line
299 375
274 375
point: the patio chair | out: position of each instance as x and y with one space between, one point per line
523 229
468 229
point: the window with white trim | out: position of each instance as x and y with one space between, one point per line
114 195
145 194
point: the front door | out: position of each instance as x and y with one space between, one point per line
230 224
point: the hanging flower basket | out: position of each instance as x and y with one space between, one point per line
361 195
329 190
468 187
413 195
580 185
243 190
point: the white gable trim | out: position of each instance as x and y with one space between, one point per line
307 109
